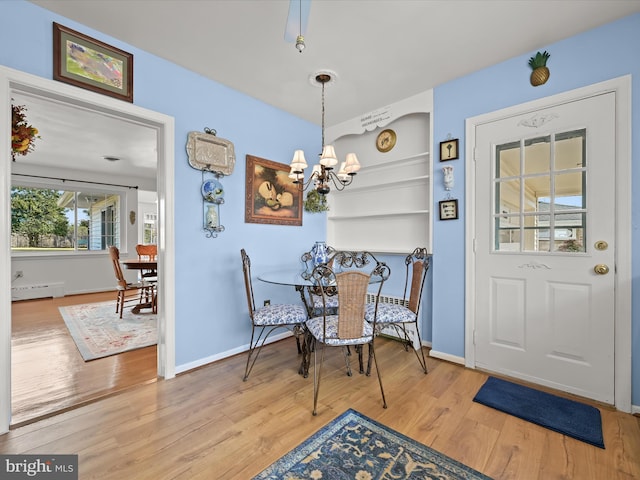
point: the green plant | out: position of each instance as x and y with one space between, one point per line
315 202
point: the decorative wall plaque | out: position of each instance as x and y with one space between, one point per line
208 152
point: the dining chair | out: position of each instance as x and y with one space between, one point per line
265 320
348 279
128 292
403 317
148 252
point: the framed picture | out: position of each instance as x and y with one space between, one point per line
449 210
89 63
449 150
271 196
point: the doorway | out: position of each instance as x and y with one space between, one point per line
12 80
544 270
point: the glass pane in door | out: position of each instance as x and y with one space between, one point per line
540 194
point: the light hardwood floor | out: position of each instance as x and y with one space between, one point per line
48 373
209 424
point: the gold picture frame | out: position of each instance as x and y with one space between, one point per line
449 209
91 64
449 150
270 195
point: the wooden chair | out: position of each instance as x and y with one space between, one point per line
348 327
404 319
148 252
128 292
265 320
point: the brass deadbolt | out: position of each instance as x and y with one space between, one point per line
601 245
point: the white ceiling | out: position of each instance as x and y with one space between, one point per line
381 50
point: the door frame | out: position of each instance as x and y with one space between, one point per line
621 86
164 125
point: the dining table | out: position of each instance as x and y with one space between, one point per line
302 280
143 264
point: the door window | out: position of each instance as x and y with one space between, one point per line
540 194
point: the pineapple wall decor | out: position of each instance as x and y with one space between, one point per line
540 73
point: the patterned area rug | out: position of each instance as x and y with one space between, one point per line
99 332
356 447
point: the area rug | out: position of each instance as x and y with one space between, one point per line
574 419
356 447
99 332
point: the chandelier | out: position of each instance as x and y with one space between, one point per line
324 173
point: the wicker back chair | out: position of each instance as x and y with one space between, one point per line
404 319
265 320
349 279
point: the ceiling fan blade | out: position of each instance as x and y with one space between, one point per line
297 23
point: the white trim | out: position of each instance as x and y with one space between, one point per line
229 353
621 86
11 80
447 357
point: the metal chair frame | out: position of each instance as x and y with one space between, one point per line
260 333
417 265
346 279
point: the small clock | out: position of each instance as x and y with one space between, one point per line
386 140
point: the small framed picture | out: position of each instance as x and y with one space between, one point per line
449 150
449 210
89 63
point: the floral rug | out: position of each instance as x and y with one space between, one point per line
99 332
356 447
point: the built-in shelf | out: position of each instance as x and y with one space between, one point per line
374 215
387 185
387 207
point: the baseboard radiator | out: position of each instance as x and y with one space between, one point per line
387 299
42 290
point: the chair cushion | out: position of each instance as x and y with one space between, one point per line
315 327
389 313
332 302
332 305
280 314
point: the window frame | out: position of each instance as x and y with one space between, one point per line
75 186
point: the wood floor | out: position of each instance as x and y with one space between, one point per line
209 424
48 373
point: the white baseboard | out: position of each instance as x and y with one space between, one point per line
635 409
229 353
446 356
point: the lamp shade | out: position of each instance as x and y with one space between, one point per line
342 173
328 157
352 165
298 164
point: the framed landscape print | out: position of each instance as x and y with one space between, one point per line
271 196
89 63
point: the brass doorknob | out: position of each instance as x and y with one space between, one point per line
601 269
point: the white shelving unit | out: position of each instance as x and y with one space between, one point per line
387 208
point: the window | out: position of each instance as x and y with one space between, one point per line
540 194
150 234
52 220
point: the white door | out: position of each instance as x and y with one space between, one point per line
545 246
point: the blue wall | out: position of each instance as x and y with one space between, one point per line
600 54
209 290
